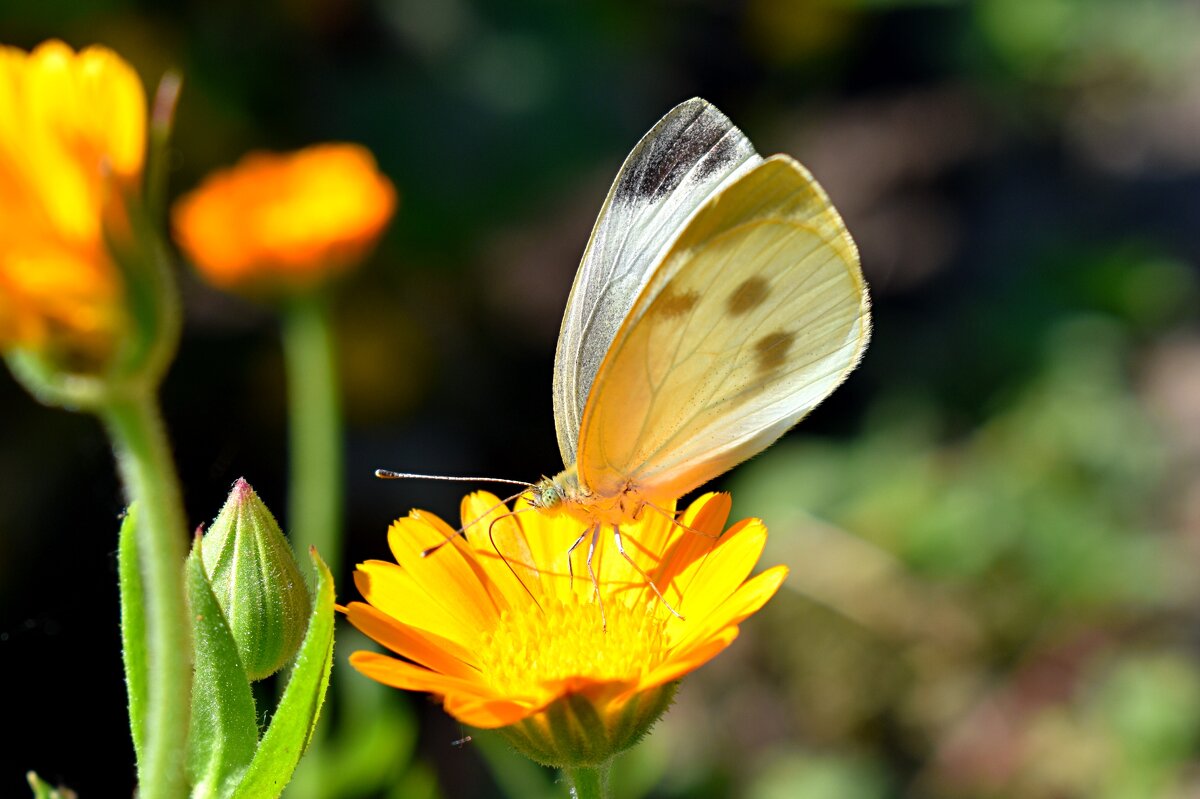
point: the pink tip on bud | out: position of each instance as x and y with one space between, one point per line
241 489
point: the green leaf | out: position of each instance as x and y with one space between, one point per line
133 629
296 717
43 790
371 750
224 729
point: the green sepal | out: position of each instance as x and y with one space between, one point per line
571 733
133 629
224 730
151 301
296 716
44 790
53 386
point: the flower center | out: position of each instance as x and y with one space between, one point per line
567 639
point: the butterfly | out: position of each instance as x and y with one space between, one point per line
719 300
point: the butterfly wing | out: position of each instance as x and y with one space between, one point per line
672 170
753 316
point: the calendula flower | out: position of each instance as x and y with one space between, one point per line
72 147
511 637
285 221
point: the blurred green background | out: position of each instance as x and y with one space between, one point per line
993 527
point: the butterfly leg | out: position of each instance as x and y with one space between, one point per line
646 577
595 531
571 550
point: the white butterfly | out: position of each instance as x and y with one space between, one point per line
719 300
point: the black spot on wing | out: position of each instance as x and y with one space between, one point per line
747 296
671 304
721 154
703 141
771 350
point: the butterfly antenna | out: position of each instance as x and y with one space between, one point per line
501 504
388 474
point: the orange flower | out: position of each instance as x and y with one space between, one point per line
72 141
285 220
512 640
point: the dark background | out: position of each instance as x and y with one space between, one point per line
992 527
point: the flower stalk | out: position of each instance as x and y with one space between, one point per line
315 422
148 473
588 782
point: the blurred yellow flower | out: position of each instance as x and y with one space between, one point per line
514 641
285 221
72 142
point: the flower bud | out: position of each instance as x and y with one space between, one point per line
255 579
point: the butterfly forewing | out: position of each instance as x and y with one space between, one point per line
672 170
755 314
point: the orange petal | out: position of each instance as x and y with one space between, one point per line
487 714
393 590
708 582
448 576
410 677
685 662
427 649
700 528
751 596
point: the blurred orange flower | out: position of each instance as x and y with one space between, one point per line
285 221
513 641
72 141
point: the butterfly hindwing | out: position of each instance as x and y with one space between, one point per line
755 314
668 175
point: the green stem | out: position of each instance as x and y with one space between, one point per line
315 490
588 782
144 460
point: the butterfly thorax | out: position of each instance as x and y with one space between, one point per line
564 493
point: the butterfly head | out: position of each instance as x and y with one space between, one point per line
564 493
546 494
